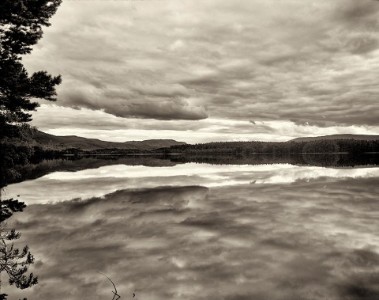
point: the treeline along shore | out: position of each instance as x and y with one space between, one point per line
36 149
31 158
290 147
46 145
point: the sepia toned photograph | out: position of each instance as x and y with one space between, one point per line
189 149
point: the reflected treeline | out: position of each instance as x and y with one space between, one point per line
319 159
72 164
38 168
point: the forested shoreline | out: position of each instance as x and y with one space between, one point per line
24 152
290 147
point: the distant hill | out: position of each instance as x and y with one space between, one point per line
72 141
357 137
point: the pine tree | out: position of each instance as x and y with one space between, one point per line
21 23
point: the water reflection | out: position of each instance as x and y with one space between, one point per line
204 232
104 180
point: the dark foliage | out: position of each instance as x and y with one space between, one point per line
9 207
279 148
24 20
20 28
13 261
21 23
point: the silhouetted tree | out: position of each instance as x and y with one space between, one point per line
21 24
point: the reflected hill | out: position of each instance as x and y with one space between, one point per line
73 164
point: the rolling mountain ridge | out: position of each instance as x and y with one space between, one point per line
357 137
81 143
72 141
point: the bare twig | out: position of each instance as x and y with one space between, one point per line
116 296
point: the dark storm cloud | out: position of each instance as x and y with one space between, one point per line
305 240
160 109
256 60
363 12
155 104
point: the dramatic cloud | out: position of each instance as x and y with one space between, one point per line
306 62
98 124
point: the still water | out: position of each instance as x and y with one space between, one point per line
202 231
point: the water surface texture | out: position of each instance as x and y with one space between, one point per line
201 231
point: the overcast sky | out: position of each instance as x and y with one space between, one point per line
204 70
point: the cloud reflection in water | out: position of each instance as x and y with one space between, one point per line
104 180
308 240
